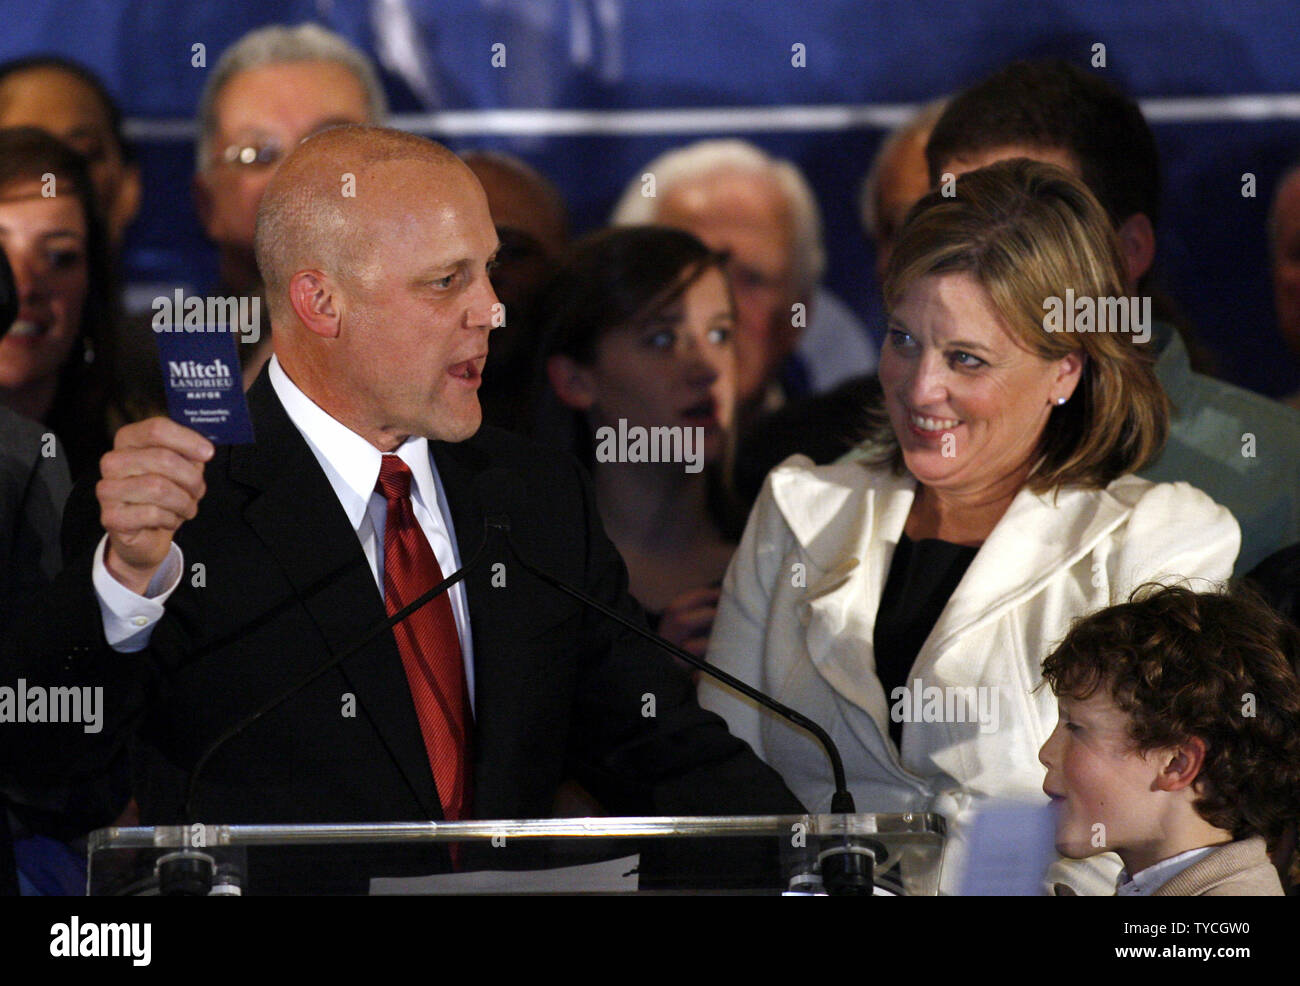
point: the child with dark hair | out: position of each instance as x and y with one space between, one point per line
1178 745
636 333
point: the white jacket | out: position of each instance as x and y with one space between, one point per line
799 604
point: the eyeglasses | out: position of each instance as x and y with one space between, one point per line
253 155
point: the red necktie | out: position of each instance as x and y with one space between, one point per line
427 641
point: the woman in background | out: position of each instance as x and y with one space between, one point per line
51 357
637 334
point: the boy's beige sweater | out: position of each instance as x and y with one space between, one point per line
1238 869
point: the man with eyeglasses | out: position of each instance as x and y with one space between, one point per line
269 90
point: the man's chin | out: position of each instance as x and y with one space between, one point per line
460 430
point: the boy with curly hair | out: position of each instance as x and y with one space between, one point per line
1178 744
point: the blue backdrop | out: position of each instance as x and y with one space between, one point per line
641 55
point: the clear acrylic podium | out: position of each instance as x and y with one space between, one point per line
801 854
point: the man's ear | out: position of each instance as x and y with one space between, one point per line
571 382
315 300
126 204
1181 765
1137 242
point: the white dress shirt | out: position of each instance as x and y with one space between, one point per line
351 464
1146 882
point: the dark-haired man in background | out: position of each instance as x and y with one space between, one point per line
532 223
68 101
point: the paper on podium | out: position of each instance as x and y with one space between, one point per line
1010 845
608 876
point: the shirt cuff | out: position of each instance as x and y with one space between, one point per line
129 618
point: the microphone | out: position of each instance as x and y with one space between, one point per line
847 867
507 483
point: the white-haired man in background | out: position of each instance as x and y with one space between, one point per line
761 211
823 426
269 90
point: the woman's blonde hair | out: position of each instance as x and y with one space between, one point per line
1026 232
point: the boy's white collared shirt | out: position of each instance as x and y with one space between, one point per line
1146 882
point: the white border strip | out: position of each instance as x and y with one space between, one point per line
1219 109
745 119
640 123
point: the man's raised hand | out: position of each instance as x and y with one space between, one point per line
151 483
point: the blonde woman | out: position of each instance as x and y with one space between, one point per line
905 599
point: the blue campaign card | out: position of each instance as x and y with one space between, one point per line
205 388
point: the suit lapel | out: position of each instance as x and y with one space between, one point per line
300 521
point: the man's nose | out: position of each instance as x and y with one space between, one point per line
485 309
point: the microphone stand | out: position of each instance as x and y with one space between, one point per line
847 866
190 872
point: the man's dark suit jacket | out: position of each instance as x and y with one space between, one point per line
559 691
32 490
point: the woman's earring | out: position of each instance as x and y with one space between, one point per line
1061 400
